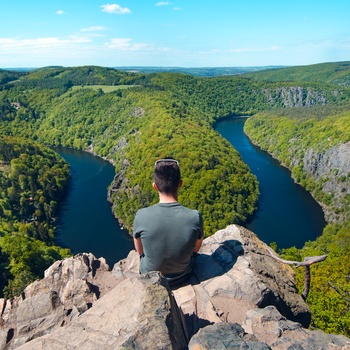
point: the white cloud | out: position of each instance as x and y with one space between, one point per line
115 8
59 12
162 3
126 44
8 44
93 29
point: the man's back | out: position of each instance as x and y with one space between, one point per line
169 232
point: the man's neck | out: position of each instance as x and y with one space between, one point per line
167 198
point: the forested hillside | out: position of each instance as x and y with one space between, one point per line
7 76
172 114
32 180
315 144
333 73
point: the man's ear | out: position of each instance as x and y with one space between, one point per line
155 186
180 183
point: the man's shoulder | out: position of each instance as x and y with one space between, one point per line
161 206
144 210
191 211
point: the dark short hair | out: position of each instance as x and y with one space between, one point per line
167 175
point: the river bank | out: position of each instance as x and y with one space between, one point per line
286 213
256 144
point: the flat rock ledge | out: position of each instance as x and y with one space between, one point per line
238 298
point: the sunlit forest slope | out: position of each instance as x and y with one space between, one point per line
333 73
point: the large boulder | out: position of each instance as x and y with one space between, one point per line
139 313
223 336
265 329
273 329
68 289
234 272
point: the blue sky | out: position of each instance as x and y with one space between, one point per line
183 33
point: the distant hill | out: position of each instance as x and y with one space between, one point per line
196 71
332 73
7 76
61 77
88 75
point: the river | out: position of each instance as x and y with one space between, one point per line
85 220
286 213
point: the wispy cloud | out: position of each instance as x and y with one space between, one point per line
252 49
115 8
162 3
126 44
39 43
59 12
93 29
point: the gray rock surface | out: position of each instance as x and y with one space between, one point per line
265 329
333 166
294 96
139 313
81 304
233 273
223 336
68 289
270 327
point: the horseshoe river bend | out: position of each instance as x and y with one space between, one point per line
286 213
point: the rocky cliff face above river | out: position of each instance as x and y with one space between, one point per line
239 297
333 167
294 96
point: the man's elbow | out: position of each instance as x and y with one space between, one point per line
198 245
138 246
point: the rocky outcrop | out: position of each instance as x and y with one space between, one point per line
68 289
233 273
137 314
264 329
270 327
295 96
238 295
333 168
321 164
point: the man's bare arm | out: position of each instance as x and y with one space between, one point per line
138 245
198 245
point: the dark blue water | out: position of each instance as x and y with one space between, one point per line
85 220
286 213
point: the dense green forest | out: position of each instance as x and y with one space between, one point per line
333 73
173 114
32 180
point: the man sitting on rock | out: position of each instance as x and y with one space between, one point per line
167 234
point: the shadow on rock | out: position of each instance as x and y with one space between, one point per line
221 258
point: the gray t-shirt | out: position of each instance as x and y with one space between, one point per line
169 232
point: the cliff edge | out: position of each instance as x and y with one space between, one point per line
239 296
